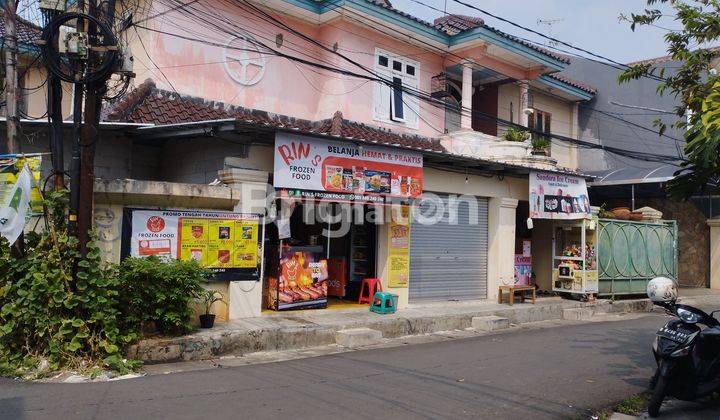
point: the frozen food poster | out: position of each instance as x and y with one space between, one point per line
344 169
226 243
557 196
399 250
302 282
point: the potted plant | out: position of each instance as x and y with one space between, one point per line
208 298
516 134
540 145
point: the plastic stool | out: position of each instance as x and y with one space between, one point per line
369 285
383 303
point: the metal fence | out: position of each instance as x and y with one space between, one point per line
631 253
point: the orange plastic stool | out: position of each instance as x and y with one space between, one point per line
371 286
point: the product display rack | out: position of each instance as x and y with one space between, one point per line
575 257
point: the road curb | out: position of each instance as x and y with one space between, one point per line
312 333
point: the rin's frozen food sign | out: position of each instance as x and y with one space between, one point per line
558 196
326 169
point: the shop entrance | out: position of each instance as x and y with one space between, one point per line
334 244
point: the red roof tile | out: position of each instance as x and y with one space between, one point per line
573 82
27 32
150 105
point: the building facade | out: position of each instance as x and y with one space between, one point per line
220 86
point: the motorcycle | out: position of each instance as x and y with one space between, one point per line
687 356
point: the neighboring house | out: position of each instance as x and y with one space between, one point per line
216 88
623 116
32 74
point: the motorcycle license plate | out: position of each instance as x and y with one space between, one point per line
674 335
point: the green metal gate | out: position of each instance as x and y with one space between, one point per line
629 254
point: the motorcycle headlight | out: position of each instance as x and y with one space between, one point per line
687 316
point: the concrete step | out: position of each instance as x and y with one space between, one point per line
490 323
578 314
357 337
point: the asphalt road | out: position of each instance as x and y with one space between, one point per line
561 372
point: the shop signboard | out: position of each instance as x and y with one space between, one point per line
226 243
335 170
558 196
399 252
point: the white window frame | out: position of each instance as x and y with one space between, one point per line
410 104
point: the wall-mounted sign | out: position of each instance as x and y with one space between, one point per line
244 61
399 250
557 196
344 170
227 243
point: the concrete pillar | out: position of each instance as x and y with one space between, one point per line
524 102
467 90
714 253
501 243
575 120
244 298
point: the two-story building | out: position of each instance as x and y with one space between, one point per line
227 91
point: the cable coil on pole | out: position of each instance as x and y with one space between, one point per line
73 69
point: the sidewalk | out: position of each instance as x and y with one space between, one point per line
312 328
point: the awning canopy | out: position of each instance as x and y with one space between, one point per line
630 176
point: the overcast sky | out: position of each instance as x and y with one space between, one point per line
590 24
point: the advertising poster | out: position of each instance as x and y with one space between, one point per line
302 283
557 196
399 252
10 167
342 170
227 243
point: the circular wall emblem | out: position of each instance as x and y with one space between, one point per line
244 62
155 224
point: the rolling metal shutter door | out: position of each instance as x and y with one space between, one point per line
449 261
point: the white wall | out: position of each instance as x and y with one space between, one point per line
563 121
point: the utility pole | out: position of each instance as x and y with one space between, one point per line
11 82
55 94
89 136
78 94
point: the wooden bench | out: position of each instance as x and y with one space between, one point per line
511 290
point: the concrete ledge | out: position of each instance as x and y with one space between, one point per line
165 194
490 323
358 337
312 329
578 314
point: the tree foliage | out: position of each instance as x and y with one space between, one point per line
86 319
692 84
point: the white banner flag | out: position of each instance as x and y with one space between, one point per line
14 210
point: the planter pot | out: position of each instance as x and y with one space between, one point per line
537 152
207 320
621 213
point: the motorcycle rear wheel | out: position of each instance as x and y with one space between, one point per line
657 397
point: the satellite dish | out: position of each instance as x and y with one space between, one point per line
528 111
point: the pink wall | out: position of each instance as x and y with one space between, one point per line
287 87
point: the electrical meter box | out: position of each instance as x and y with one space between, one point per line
76 43
53 4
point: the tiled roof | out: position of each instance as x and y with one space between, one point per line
27 32
664 58
150 105
573 82
456 24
